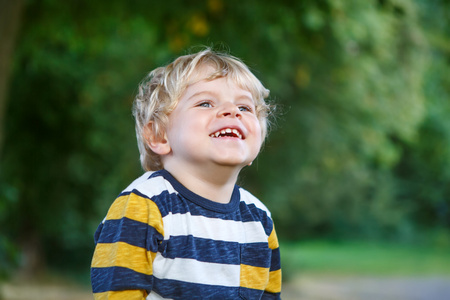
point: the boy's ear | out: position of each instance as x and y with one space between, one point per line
157 143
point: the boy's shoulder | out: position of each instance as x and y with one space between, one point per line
149 184
249 199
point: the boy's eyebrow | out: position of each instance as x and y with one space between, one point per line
212 93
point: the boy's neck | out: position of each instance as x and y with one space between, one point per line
216 184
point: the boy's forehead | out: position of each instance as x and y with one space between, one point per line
216 87
208 72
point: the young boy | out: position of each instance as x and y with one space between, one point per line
184 229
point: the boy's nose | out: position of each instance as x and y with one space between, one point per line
229 110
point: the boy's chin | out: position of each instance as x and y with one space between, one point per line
234 164
234 161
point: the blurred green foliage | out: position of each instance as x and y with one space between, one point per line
363 258
360 148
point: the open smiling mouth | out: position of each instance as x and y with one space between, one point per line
228 132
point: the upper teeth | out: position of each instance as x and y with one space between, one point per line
227 130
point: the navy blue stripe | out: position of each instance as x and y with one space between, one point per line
98 233
127 193
205 250
119 279
132 232
175 289
275 263
142 195
271 296
203 202
197 210
177 203
259 215
247 293
256 254
155 174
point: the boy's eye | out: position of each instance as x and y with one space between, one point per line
205 104
245 108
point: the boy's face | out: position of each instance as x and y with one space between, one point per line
214 124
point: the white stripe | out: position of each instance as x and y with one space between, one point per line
248 198
215 229
150 187
138 181
191 270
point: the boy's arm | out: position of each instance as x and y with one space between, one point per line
126 245
273 289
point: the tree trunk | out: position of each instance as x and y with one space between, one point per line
10 16
32 262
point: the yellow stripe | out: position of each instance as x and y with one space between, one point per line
121 295
274 285
254 277
123 255
136 208
273 240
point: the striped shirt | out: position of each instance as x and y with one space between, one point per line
160 240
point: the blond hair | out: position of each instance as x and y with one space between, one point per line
161 89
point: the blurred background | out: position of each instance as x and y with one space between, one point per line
356 170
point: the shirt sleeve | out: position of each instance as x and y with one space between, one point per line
273 288
126 245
